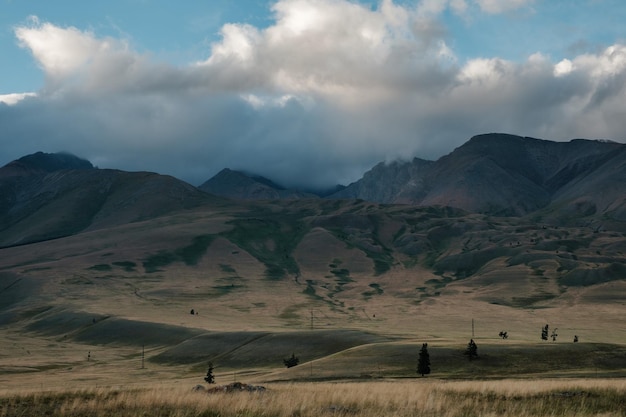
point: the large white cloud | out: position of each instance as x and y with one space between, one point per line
322 94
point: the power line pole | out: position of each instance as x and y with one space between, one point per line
143 355
311 319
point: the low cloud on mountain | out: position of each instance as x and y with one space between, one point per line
319 96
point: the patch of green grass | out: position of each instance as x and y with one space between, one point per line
530 300
310 290
271 239
377 290
340 273
367 239
439 283
226 289
128 266
290 313
274 272
335 263
154 263
41 268
227 269
464 265
77 280
100 267
381 265
399 233
189 254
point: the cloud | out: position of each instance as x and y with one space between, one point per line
15 98
330 88
501 6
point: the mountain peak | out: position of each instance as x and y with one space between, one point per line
241 186
55 161
46 162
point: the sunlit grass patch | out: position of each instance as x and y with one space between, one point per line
381 398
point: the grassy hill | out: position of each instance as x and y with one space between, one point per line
352 288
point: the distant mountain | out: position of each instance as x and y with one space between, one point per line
46 196
240 186
507 175
396 182
44 162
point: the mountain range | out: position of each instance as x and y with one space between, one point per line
45 196
495 174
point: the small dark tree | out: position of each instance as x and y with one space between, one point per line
472 350
503 335
544 332
209 378
291 362
423 361
575 339
554 335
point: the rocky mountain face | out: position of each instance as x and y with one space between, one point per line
507 175
45 196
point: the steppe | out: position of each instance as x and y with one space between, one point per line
100 323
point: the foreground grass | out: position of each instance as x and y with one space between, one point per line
393 398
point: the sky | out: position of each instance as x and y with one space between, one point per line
308 93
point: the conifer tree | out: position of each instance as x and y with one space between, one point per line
544 332
472 350
423 361
209 378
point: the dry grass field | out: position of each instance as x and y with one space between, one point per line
386 398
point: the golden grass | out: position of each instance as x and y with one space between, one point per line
420 397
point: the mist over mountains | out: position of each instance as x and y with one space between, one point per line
494 174
45 196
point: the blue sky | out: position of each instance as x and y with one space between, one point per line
285 88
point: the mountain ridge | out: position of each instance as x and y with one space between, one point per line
494 173
44 196
47 196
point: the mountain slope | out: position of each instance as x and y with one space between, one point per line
46 196
395 182
506 175
240 186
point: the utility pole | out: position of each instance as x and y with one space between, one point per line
143 355
311 319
